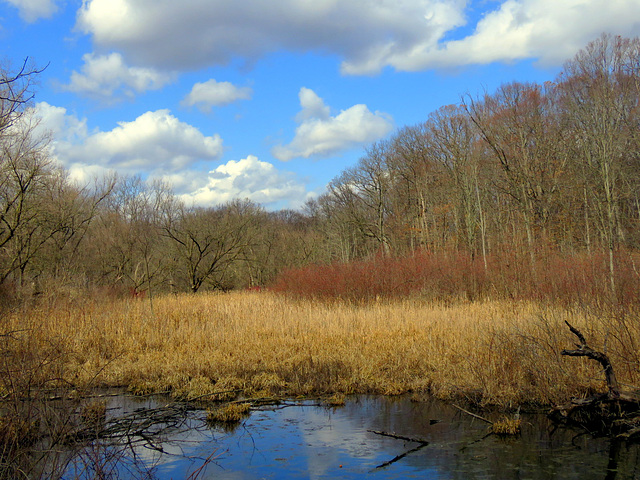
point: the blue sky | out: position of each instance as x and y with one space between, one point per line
272 99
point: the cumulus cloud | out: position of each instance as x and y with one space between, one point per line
213 94
320 134
367 34
64 128
33 10
107 78
156 143
546 30
155 139
248 178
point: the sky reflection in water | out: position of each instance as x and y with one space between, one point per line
307 441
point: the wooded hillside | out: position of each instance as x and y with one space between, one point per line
525 173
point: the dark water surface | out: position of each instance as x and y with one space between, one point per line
303 440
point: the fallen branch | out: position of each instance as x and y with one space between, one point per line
400 457
613 413
399 437
422 443
584 350
473 414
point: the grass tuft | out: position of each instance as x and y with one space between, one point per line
506 427
228 414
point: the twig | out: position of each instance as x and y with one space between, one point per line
399 437
196 473
473 414
422 444
222 392
464 447
401 456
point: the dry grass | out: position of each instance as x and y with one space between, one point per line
503 352
336 400
94 414
506 427
229 413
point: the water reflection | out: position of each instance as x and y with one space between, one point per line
310 441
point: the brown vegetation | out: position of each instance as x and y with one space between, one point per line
506 426
561 279
490 352
230 413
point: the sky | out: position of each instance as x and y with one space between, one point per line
271 99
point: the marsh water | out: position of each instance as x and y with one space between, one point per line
308 440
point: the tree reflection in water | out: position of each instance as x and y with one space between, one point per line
311 441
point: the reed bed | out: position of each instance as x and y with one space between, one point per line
214 346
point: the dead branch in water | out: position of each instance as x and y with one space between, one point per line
399 437
422 443
473 414
613 413
602 358
400 457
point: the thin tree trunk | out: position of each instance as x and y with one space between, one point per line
483 228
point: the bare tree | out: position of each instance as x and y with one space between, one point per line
364 195
208 241
601 91
516 122
417 183
452 144
131 249
15 93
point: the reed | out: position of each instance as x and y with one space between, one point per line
263 344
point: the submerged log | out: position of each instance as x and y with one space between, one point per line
614 413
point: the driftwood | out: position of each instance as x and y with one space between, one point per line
614 413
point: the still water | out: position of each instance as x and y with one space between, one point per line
304 440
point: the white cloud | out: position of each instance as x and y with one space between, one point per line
319 134
33 10
248 178
312 106
107 77
212 94
63 128
156 143
367 34
551 31
204 32
153 140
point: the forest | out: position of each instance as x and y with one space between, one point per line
529 177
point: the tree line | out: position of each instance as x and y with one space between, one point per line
122 234
528 168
